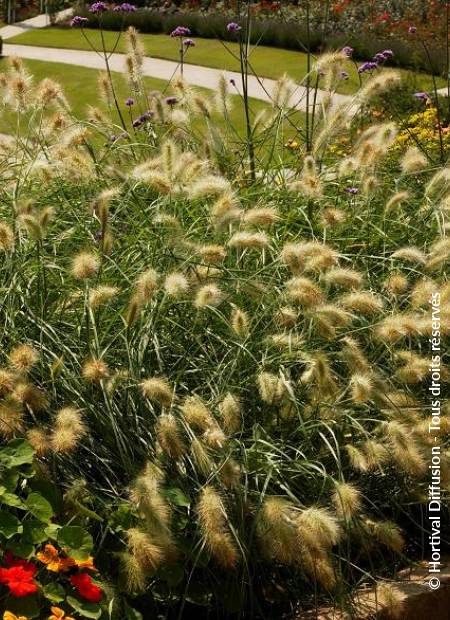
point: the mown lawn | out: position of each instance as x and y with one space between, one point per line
266 61
80 86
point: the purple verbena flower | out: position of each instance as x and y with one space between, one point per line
98 7
233 27
137 123
412 29
129 102
233 82
348 51
146 116
180 31
189 43
125 7
388 53
352 190
422 96
78 20
379 57
367 66
171 101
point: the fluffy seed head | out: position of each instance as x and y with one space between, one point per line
176 284
169 437
23 357
208 295
240 322
245 240
6 237
101 295
84 266
230 411
95 370
304 292
158 390
347 500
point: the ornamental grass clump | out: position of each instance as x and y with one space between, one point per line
236 369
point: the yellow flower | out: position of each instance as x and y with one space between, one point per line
59 614
8 615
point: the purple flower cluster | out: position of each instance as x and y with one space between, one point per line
352 190
233 27
180 31
129 102
142 119
367 66
98 7
78 20
189 43
125 7
422 96
412 30
114 138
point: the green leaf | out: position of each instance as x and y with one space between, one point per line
54 592
78 542
27 606
39 507
9 524
21 548
49 491
88 610
34 532
52 530
10 478
11 499
121 519
177 497
132 614
17 452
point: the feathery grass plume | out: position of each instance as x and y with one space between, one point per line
422 292
375 453
202 461
293 256
146 285
158 181
320 568
410 254
271 388
39 439
169 436
321 372
134 45
23 357
275 529
387 533
246 240
84 265
222 97
380 83
347 167
344 278
415 368
239 322
391 600
413 161
398 326
212 253
403 448
282 92
209 185
329 65
225 210
230 473
439 254
357 458
214 437
369 185
133 573
396 200
158 390
346 500
214 528
7 382
169 157
361 387
95 370
438 185
363 302
317 529
31 225
203 273
260 216
31 396
176 284
68 429
200 105
304 292
104 88
11 417
331 217
322 258
286 317
145 493
101 295
396 283
197 414
230 412
282 341
133 310
309 183
6 238
208 296
148 554
329 318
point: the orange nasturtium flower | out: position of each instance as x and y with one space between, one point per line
51 558
8 615
59 614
